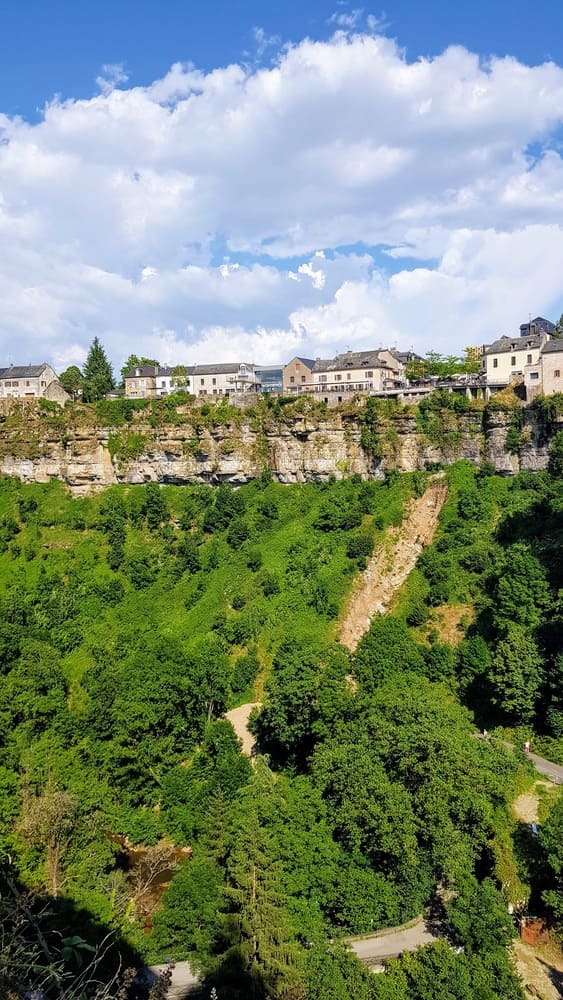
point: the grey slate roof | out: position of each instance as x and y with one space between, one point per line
308 362
405 356
23 371
227 369
352 359
507 345
540 323
148 371
152 371
553 347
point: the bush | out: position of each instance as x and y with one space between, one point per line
237 532
359 546
245 672
254 559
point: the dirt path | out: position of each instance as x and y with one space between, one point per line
390 566
238 717
525 807
541 970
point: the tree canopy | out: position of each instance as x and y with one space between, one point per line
97 374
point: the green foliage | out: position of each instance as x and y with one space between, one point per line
556 455
477 918
337 514
386 646
132 620
72 380
156 508
97 374
126 445
300 701
551 843
438 973
516 674
134 361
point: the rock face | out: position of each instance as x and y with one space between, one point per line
36 447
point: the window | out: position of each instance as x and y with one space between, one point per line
513 360
143 382
557 373
163 385
348 376
15 384
495 362
213 381
528 359
303 378
338 378
534 375
370 374
29 383
322 378
292 380
202 381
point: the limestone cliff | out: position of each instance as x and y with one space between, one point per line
209 446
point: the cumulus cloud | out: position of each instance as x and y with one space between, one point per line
111 76
208 214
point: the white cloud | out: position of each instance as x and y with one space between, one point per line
111 76
112 208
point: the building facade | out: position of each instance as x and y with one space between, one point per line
152 381
365 372
222 380
508 358
29 382
298 376
269 378
546 376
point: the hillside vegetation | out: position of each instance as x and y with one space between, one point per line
131 621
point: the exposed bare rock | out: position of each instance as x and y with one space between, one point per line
35 446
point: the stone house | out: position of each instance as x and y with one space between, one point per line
364 372
151 381
31 382
223 379
507 358
298 375
546 375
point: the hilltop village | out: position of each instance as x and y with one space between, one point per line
532 359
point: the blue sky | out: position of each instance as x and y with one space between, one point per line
357 176
59 46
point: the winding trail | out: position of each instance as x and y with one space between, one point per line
373 949
391 564
238 717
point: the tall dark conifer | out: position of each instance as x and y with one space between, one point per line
98 374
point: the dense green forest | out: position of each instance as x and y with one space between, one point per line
132 620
